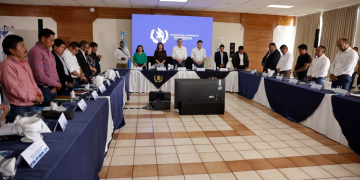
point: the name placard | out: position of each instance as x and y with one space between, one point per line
82 105
341 92
117 74
102 88
62 121
181 68
200 69
161 68
35 152
316 86
264 75
138 68
94 95
280 78
108 83
223 69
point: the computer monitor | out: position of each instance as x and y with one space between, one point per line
199 90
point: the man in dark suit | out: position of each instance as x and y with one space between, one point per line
97 58
64 74
240 59
221 57
271 58
82 59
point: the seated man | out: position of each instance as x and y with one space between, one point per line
271 58
240 59
72 63
198 55
221 57
16 79
343 65
285 63
303 63
320 66
64 74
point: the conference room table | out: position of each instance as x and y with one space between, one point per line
151 80
321 110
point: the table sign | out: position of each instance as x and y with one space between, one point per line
200 69
117 74
181 69
102 88
94 95
341 92
82 105
223 69
138 68
62 121
35 152
253 72
316 86
280 78
108 83
293 81
327 85
264 75
161 68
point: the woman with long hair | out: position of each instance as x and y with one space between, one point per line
140 58
160 54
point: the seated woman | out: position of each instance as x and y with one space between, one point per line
91 62
140 58
160 54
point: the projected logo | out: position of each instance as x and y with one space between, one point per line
161 36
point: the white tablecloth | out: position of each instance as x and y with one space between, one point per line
139 84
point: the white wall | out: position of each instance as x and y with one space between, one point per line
27 27
106 34
285 35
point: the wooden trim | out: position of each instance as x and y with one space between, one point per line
287 20
24 10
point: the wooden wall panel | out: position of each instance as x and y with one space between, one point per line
287 20
256 44
120 13
259 21
24 10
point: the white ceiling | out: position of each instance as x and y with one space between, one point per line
301 7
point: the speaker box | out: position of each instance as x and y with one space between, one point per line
232 49
40 24
316 43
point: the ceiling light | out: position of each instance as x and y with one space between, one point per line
174 0
279 6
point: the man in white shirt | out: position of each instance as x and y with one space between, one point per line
122 56
285 63
72 63
343 65
320 66
179 54
198 55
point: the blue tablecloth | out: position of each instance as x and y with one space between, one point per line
116 93
77 153
346 112
158 78
126 73
211 74
248 84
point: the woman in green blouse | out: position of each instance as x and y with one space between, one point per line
140 58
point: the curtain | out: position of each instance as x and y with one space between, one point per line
305 33
336 24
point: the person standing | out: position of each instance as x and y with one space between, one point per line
16 79
221 57
320 66
82 60
140 58
97 58
303 63
198 55
64 74
179 54
271 58
160 55
285 63
356 72
72 63
122 56
343 66
240 59
43 65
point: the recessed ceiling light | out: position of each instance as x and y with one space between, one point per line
174 0
279 6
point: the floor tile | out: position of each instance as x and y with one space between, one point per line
144 159
103 173
164 142
224 147
167 158
271 174
199 141
236 166
278 144
247 175
339 158
179 134
243 146
295 143
169 169
205 148
165 150
122 160
340 149
231 156
337 170
182 141
222 176
185 149
301 161
210 157
198 177
294 173
251 154
125 143
236 139
252 139
270 153
354 168
145 170
320 160
316 172
289 152
120 172
310 142
144 150
216 167
145 142
260 145
307 151
126 136
171 178
189 158
260 164
124 151
353 156
218 140
193 168
196 134
213 134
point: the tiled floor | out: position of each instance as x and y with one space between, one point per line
248 142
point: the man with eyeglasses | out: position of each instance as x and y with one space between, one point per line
72 63
343 65
82 59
